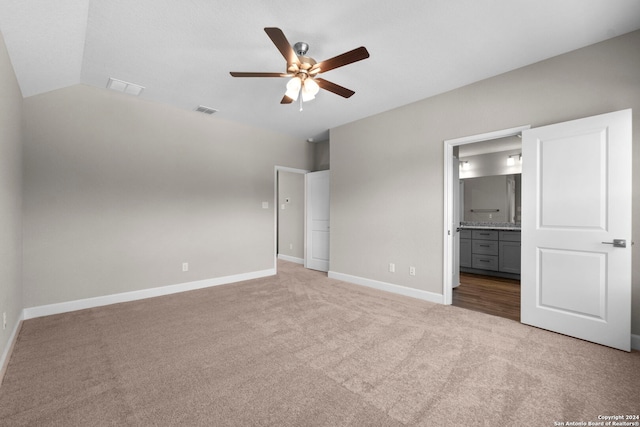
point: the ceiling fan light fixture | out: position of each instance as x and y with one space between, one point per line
310 86
293 88
309 90
307 96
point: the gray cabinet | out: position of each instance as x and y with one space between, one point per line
465 248
509 252
492 252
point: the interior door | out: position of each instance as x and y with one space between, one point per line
316 254
576 180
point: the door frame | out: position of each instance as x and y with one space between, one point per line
276 207
447 232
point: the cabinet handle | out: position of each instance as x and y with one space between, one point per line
484 246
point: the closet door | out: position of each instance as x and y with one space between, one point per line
316 247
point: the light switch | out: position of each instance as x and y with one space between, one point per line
265 205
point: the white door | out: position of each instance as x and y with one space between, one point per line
576 202
316 247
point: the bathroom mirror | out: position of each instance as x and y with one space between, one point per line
492 199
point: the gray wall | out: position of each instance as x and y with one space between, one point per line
491 164
387 170
119 192
321 155
10 198
291 214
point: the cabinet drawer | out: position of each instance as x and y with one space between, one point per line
484 234
465 234
485 262
510 236
484 247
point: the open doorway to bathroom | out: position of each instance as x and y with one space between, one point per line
486 229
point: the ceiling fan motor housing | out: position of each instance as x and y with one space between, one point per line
301 48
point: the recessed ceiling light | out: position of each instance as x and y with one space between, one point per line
125 87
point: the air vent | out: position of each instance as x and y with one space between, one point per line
206 110
125 87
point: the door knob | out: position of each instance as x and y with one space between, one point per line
617 243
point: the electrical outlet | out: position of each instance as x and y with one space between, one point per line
412 271
185 266
392 267
290 245
4 320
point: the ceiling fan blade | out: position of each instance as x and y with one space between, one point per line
243 74
332 87
278 38
346 58
286 100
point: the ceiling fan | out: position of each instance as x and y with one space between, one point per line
303 70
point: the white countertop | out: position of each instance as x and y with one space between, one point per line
488 227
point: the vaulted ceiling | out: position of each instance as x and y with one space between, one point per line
181 52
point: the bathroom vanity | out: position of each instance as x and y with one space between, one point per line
491 250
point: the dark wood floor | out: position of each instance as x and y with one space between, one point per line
491 295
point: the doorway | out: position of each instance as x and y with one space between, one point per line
289 214
452 237
575 261
488 214
301 217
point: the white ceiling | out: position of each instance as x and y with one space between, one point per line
182 51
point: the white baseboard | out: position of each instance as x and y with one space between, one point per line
6 354
65 307
635 342
291 259
389 287
46 310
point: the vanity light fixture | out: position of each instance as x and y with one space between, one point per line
511 160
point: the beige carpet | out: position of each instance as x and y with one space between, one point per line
299 349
